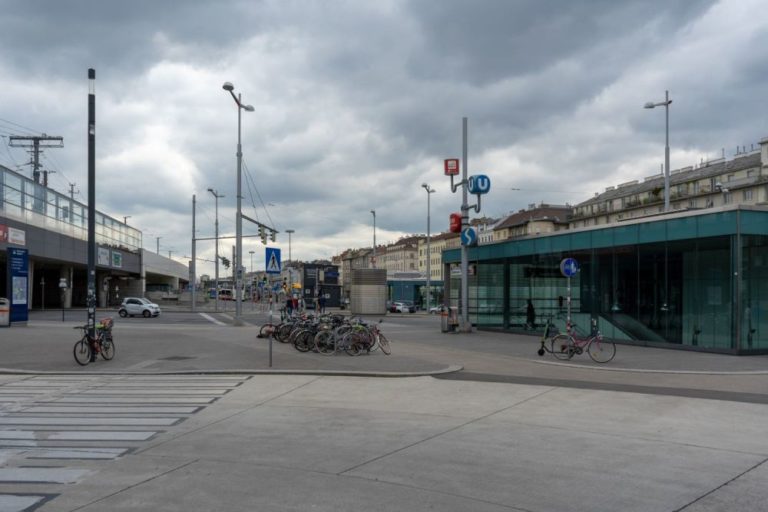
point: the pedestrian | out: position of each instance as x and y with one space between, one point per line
321 301
295 302
530 316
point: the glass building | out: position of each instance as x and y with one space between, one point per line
696 280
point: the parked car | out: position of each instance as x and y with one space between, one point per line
133 306
436 309
402 307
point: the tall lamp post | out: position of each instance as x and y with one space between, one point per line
430 191
664 104
239 217
373 212
216 195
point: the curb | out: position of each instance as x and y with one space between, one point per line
643 370
329 373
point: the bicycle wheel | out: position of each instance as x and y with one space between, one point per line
283 332
302 341
600 350
266 330
108 348
384 344
82 352
325 343
351 344
562 347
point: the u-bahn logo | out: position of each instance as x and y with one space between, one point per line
479 184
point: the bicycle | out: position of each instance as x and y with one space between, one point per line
86 348
565 346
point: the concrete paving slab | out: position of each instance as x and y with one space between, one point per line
746 492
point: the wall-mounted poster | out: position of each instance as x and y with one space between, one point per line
18 271
117 259
103 257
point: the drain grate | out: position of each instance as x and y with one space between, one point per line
176 358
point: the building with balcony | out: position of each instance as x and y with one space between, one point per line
535 220
741 180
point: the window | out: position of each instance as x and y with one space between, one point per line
727 198
730 177
747 195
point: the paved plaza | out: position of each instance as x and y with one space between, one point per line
189 416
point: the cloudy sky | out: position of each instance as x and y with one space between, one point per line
357 103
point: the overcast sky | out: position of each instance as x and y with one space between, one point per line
357 103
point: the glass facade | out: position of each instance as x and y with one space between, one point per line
693 280
31 203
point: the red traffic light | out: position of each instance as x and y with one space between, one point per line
455 224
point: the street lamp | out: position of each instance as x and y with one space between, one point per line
664 104
251 253
430 191
216 195
374 238
239 217
290 272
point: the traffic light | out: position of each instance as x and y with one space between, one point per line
224 261
262 234
455 224
273 236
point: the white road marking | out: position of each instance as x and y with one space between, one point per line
211 319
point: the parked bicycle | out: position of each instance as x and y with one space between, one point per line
565 346
87 348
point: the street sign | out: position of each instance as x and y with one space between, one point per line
479 184
272 259
451 166
469 236
569 267
455 223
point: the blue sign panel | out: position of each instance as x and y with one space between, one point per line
569 267
469 236
18 283
479 184
272 260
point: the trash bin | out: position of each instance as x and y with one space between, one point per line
5 312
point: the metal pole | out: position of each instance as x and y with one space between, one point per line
429 253
666 155
465 325
239 221
193 264
157 238
91 299
374 237
216 224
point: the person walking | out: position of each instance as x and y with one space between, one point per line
321 301
530 316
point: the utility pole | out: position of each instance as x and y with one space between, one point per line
34 142
72 190
157 238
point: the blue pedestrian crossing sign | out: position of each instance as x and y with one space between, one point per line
469 236
272 259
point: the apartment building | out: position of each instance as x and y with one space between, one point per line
438 243
535 220
741 180
402 256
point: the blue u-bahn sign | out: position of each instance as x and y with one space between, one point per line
479 184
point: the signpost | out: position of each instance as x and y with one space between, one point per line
272 260
469 236
569 267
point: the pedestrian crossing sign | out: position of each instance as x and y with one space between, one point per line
272 259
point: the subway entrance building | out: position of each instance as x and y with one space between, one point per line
695 280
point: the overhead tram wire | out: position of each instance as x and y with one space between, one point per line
17 126
248 176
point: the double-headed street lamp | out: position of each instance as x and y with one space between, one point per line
664 104
290 269
430 191
239 216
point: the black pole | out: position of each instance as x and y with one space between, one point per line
92 205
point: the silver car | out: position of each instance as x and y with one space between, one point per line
133 306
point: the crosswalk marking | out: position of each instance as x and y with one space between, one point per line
88 421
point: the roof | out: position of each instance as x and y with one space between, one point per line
556 214
716 168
